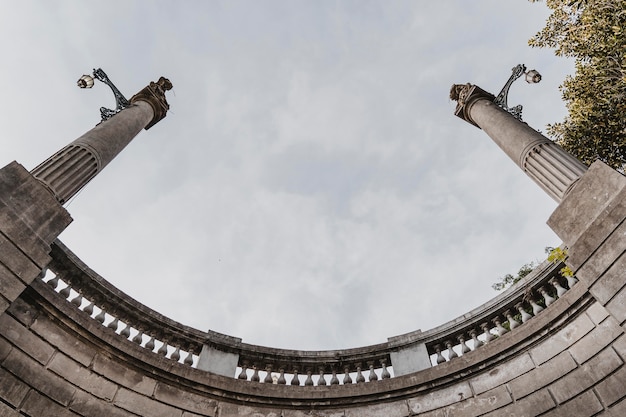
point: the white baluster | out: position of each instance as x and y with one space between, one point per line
477 342
176 354
347 379
243 375
499 327
451 353
309 380
100 317
163 349
511 318
321 380
536 307
295 380
560 291
525 315
88 309
546 297
571 281
385 374
138 337
78 300
150 345
372 376
114 324
440 358
359 376
281 377
126 331
486 331
464 348
255 374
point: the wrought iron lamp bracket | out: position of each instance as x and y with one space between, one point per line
120 101
501 99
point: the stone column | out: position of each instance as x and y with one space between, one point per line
70 169
31 212
553 169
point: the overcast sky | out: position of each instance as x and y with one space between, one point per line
311 187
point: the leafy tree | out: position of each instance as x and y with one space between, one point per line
594 33
508 280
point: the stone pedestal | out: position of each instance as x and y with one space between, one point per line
591 221
30 220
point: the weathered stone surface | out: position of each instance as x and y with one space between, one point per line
142 405
440 398
17 334
585 376
35 375
410 358
82 377
613 388
185 400
38 405
15 228
87 405
620 347
596 340
10 286
34 205
392 409
63 341
543 375
532 405
597 313
618 410
502 373
592 195
604 256
5 348
22 312
475 406
12 390
617 306
218 362
585 405
17 262
609 284
6 411
562 340
124 376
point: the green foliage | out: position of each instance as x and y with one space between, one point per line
594 33
558 255
508 280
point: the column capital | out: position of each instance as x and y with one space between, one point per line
154 94
465 95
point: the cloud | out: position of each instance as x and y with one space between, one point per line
310 187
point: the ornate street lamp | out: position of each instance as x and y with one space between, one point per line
87 81
553 169
531 77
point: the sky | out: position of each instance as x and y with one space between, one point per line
310 187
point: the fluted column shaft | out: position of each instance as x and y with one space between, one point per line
70 169
545 162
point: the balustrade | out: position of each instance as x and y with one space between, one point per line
522 304
105 304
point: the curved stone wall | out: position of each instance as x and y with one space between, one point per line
58 360
86 349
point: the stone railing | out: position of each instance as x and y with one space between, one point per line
229 356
